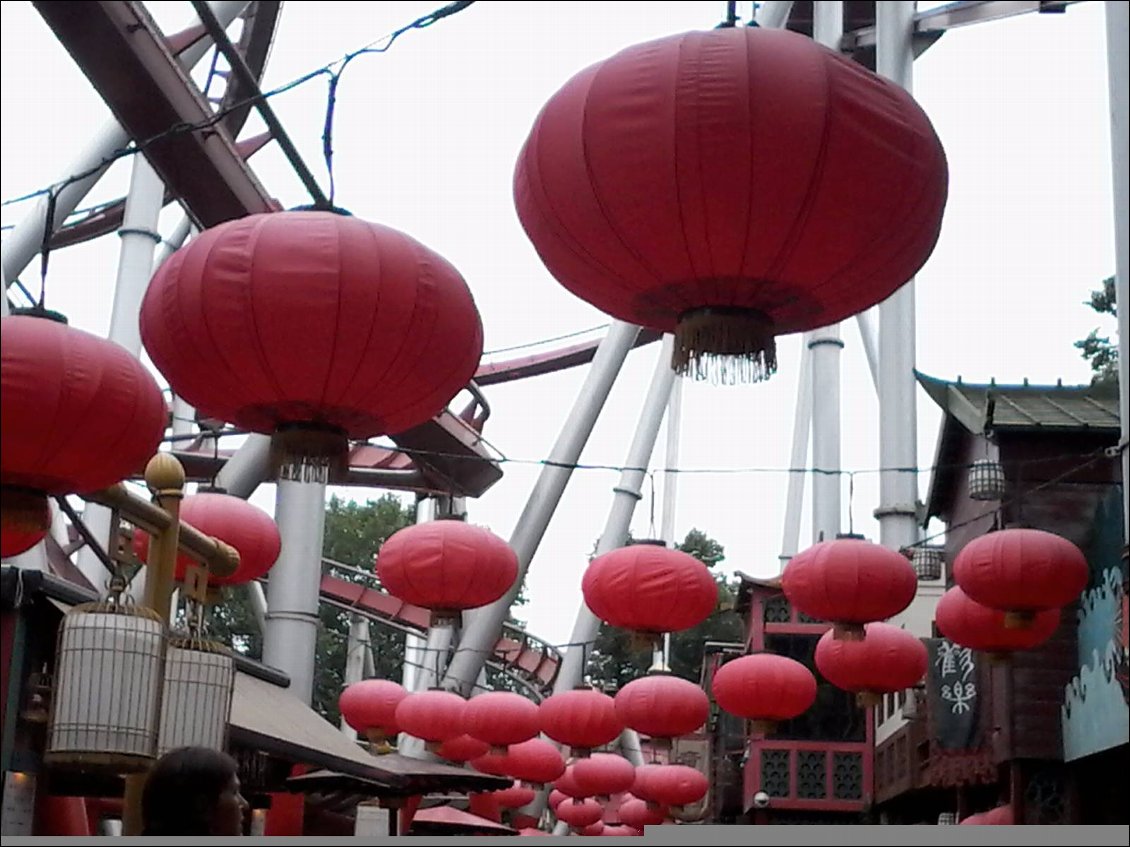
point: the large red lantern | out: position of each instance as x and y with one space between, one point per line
978 627
433 715
535 762
313 326
673 786
662 706
462 748
501 718
446 566
764 688
1021 572
887 660
251 531
604 774
579 815
514 797
583 718
637 814
729 186
649 589
369 706
849 582
79 414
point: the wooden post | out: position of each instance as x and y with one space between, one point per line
165 477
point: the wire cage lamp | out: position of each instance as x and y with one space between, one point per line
986 480
928 562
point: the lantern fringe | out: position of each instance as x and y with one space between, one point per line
1019 620
309 452
725 345
23 509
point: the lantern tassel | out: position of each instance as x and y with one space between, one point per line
308 452
726 345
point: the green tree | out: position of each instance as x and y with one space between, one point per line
614 662
1098 350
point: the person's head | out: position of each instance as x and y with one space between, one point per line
193 791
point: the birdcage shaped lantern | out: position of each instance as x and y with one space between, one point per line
106 704
947 818
196 703
928 562
986 480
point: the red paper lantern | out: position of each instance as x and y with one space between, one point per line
669 785
462 748
19 539
446 566
849 582
613 831
312 326
637 813
251 531
583 718
764 688
1021 571
731 185
496 764
978 627
79 414
556 797
649 589
887 660
536 761
567 784
604 774
662 706
580 815
514 797
501 718
1000 816
433 715
531 832
369 706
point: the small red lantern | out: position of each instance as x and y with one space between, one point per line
1021 572
433 715
673 786
462 748
314 327
648 590
531 832
369 706
999 816
446 566
637 814
604 774
79 414
849 582
621 831
593 830
579 815
567 785
887 660
251 531
583 718
662 706
501 718
764 688
536 762
654 187
978 627
496 764
556 798
514 797
15 540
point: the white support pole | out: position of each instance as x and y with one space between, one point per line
671 485
865 320
355 646
774 14
248 466
414 644
485 626
23 243
291 635
1118 69
826 346
898 428
798 459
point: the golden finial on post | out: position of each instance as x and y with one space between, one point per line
164 474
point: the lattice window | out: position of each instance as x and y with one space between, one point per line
847 776
1045 802
775 772
810 776
803 618
777 610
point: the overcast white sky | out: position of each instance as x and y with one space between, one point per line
426 138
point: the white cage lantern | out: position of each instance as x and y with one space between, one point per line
196 705
107 695
928 562
986 480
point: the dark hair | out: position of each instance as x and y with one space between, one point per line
182 790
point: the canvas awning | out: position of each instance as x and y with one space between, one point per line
447 820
